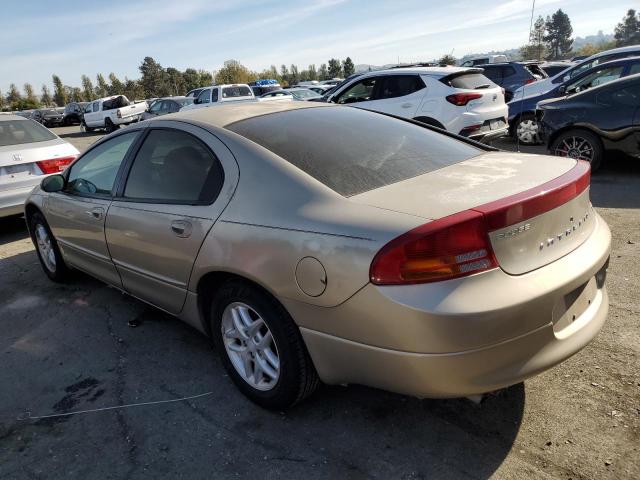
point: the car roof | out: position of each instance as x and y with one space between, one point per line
223 115
431 71
629 48
11 116
176 97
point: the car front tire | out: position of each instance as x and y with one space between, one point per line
47 249
581 145
261 347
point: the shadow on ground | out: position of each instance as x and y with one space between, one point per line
12 229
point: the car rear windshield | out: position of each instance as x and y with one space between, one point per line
351 150
232 92
16 132
469 81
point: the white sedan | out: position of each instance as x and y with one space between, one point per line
28 151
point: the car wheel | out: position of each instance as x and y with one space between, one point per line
109 125
261 347
84 128
47 249
581 145
527 130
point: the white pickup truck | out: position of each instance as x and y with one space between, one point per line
219 94
111 112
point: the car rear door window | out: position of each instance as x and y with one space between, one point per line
95 172
493 73
357 150
635 68
174 167
624 97
394 86
204 97
214 95
599 77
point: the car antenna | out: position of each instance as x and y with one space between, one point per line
533 7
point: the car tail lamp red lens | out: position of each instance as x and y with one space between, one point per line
459 245
461 99
451 247
530 80
55 165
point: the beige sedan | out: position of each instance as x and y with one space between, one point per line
380 252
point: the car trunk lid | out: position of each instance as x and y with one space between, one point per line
537 207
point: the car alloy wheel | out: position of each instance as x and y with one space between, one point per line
45 247
528 131
575 147
250 346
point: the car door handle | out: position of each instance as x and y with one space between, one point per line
96 213
407 105
181 228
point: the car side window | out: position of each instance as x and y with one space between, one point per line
493 73
166 106
599 77
174 167
88 108
635 68
394 86
96 106
624 97
508 72
204 97
214 95
155 108
361 91
95 172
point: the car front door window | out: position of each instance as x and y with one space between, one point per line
95 172
596 78
204 97
394 86
361 91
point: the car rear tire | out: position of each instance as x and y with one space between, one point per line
109 125
579 144
261 347
47 248
526 130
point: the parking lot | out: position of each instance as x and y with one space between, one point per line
84 346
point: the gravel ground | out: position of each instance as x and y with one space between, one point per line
69 348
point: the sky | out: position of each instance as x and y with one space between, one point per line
71 38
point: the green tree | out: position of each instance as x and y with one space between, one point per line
191 79
102 87
294 75
115 85
45 98
74 94
132 89
206 77
29 93
14 94
628 31
284 75
312 72
447 60
24 104
154 79
335 69
88 93
2 102
558 38
348 68
233 72
59 92
536 39
176 81
323 73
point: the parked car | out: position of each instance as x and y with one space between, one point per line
111 112
260 87
332 82
545 85
320 89
459 100
163 106
73 113
554 68
588 124
195 92
49 117
522 113
304 94
483 60
28 152
219 94
513 75
299 256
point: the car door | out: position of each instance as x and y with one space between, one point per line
618 115
204 99
360 92
177 185
92 114
399 95
155 109
77 214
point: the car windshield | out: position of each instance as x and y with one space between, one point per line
49 111
366 150
16 132
232 92
305 94
185 101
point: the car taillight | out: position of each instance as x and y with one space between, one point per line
461 99
119 114
458 245
504 92
55 165
531 80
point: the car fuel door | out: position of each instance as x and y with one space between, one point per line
178 184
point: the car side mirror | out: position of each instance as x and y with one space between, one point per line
53 183
197 101
562 90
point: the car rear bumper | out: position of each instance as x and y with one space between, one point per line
12 200
466 336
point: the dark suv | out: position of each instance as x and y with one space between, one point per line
513 75
73 113
587 124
